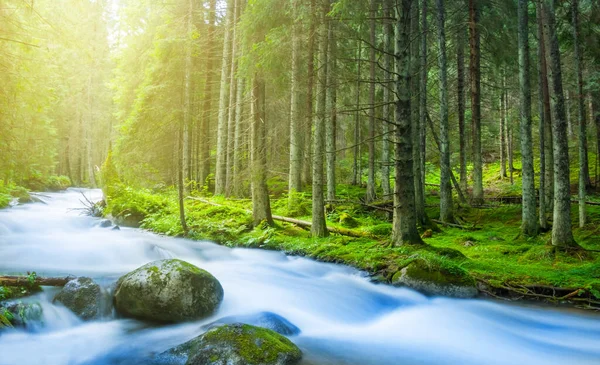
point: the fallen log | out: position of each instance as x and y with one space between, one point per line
34 281
298 222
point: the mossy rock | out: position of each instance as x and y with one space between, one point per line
241 344
347 221
22 314
85 298
133 220
168 291
434 280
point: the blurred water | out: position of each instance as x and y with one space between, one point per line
344 319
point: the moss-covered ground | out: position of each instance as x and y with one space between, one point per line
491 250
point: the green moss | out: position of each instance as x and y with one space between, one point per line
254 344
498 255
431 271
348 221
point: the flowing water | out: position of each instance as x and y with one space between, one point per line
343 317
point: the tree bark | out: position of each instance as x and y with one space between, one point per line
475 78
261 206
307 163
415 117
41 281
562 235
232 100
543 210
405 222
548 138
388 33
529 224
222 133
446 208
582 135
239 147
295 174
207 104
319 226
331 126
371 170
502 134
356 170
423 90
460 74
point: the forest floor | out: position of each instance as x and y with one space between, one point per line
488 247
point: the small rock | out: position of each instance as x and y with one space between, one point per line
168 291
105 223
85 298
268 320
427 234
468 244
116 228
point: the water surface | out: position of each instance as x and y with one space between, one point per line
343 317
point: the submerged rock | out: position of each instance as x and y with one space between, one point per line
236 344
85 298
268 320
105 223
168 291
421 276
133 220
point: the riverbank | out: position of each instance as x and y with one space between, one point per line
489 255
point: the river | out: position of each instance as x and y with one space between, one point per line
343 317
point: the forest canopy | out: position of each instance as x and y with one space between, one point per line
421 108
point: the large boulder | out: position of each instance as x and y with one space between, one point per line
85 298
434 280
168 291
236 344
268 320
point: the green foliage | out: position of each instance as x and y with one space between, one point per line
132 201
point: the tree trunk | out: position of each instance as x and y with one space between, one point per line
239 148
222 134
207 104
475 75
232 100
416 130
356 171
583 161
331 126
319 226
543 209
307 165
261 206
529 224
460 74
295 174
446 208
502 134
388 33
423 90
371 170
562 235
405 222
185 121
548 138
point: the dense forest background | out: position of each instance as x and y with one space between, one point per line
459 100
